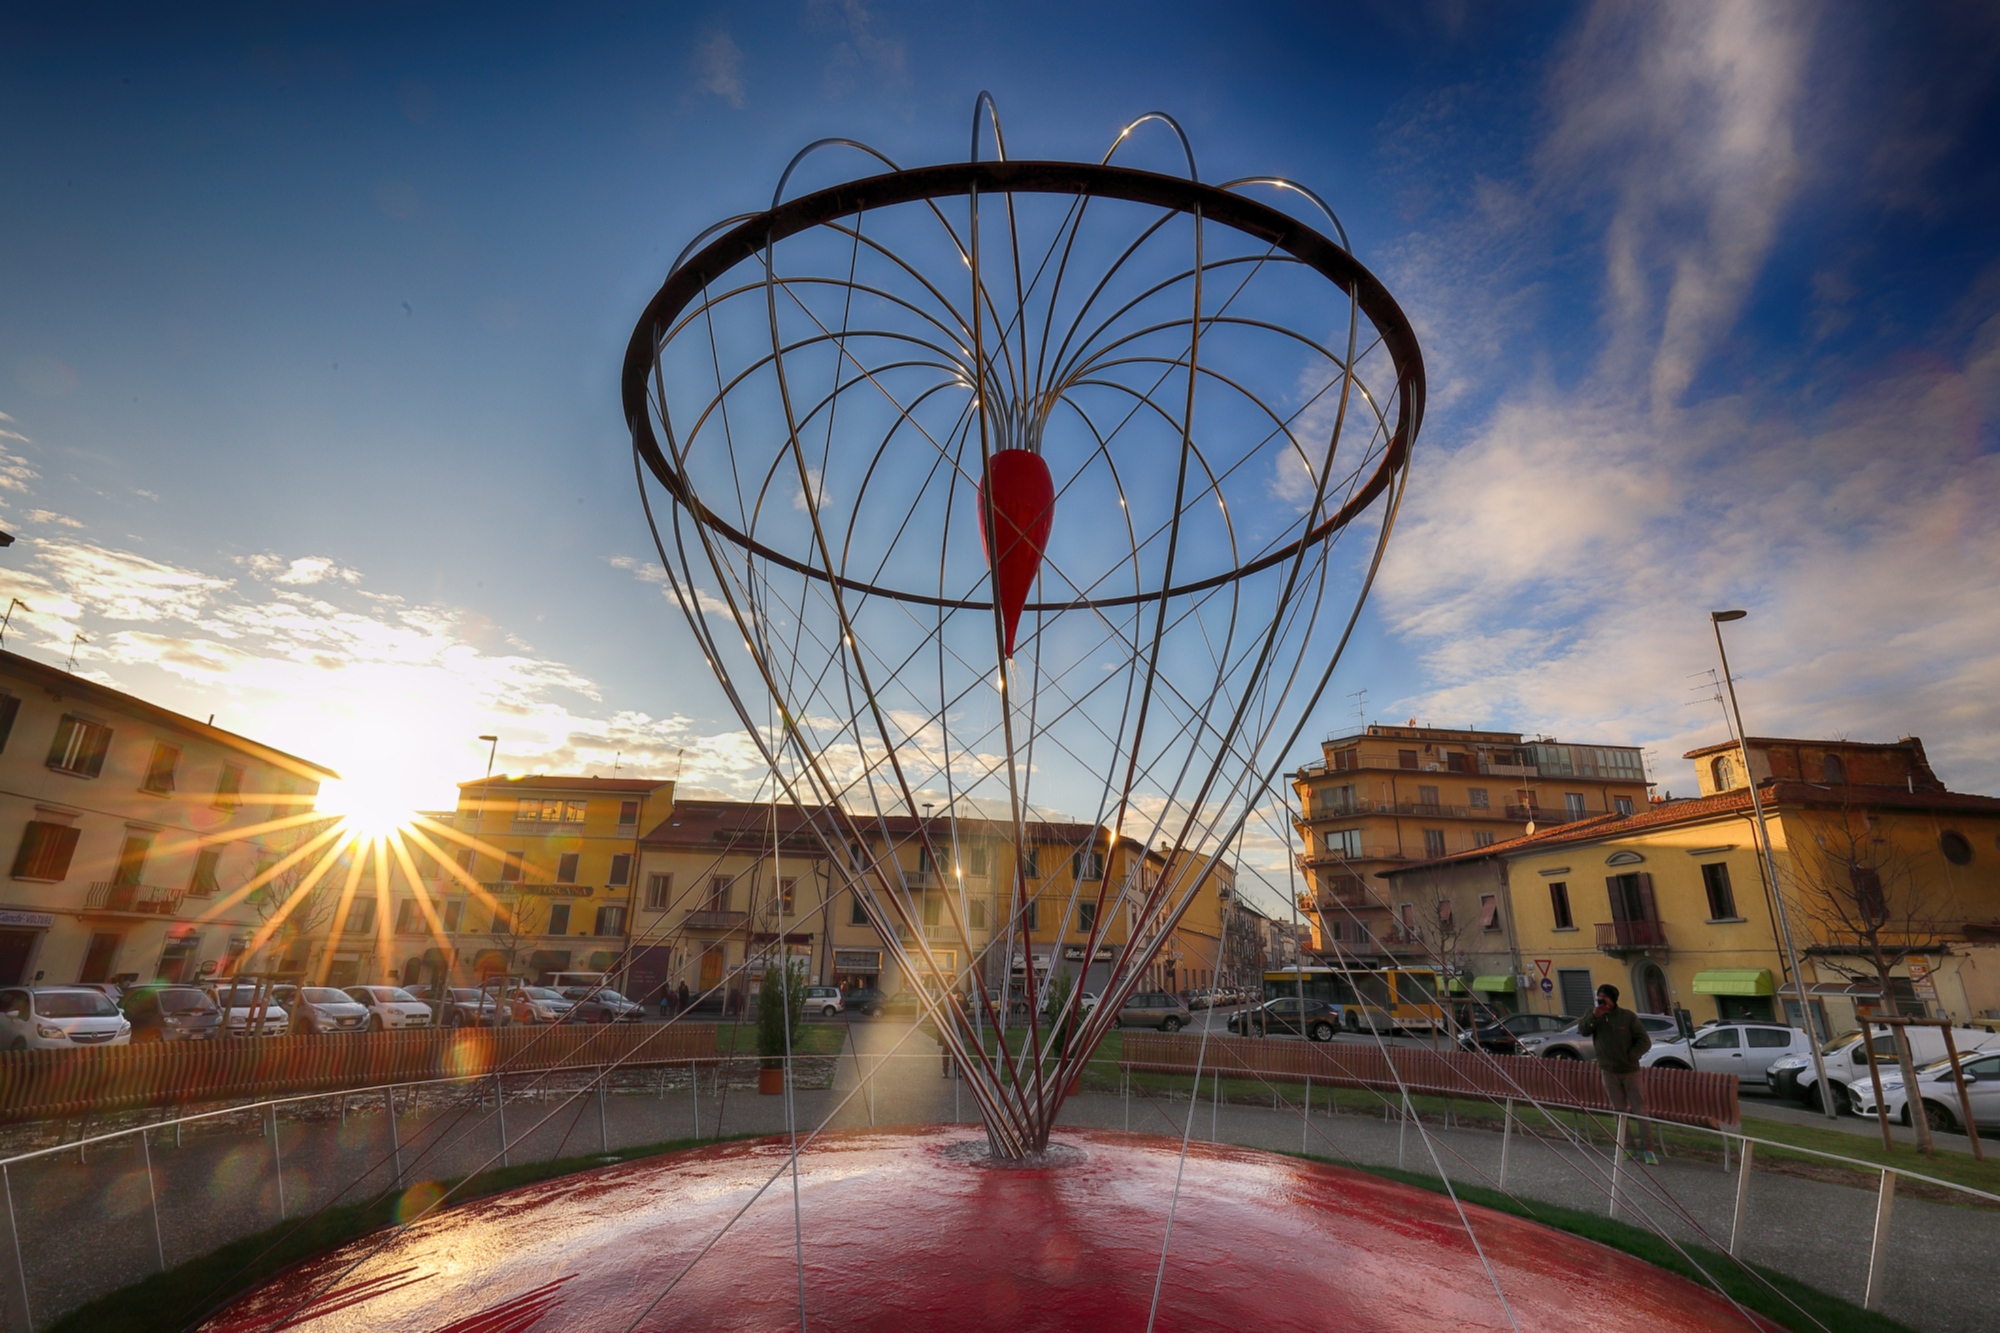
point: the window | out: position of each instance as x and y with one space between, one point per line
718 893
1478 798
933 908
1768 1038
1409 921
132 860
558 919
466 858
10 708
1342 842
45 851
203 883
1489 911
628 814
453 913
1034 916
1833 769
1623 805
1723 771
360 917
788 896
1086 916
79 747
1406 759
1335 801
975 859
1954 846
409 918
1482 839
537 810
610 921
1573 804
1433 842
1445 918
1343 760
1087 866
1718 1039
1559 905
621 869
976 911
1427 796
1868 895
1031 862
510 867
659 891
160 770
229 787
1721 897
857 912
566 867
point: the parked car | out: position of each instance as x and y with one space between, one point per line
826 1001
1746 1050
1205 998
59 1018
1480 1029
539 1004
1087 1001
390 1008
242 1011
463 1006
1534 1027
866 1000
319 1010
599 1004
1153 1009
1847 1062
1317 1019
171 1013
1939 1092
1571 1044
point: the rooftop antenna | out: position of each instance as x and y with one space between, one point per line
71 665
1360 698
617 757
9 617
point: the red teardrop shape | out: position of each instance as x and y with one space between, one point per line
1024 508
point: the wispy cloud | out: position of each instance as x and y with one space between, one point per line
719 67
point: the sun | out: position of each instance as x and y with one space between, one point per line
370 809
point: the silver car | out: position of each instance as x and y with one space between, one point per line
1153 1009
1571 1044
60 1018
250 1011
321 1009
1746 1050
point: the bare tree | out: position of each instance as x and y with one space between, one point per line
306 908
1870 908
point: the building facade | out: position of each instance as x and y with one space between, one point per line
139 834
1394 796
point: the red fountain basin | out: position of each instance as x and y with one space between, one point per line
904 1231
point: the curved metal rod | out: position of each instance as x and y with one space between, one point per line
985 99
1281 183
778 195
1175 125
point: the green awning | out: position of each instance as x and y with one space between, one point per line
1455 986
1735 981
1503 985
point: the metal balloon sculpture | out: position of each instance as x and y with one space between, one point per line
1023 490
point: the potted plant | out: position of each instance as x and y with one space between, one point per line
781 1012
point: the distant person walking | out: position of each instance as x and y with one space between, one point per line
681 1000
1620 1039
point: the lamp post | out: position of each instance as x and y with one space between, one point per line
478 823
1769 867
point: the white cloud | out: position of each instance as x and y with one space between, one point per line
720 63
300 572
648 572
50 516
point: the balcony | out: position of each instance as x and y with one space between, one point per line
1544 818
711 919
916 881
145 899
1628 937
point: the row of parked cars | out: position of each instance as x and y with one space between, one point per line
65 1017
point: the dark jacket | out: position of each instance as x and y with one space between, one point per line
1620 1039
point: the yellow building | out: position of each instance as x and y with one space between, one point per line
558 857
1672 906
1395 796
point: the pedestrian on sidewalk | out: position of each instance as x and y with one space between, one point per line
1620 1039
681 999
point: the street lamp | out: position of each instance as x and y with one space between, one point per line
1769 867
479 813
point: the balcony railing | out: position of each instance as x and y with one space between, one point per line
150 899
1543 816
1630 936
1414 809
711 919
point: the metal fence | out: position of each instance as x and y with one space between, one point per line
1679 1095
37 1085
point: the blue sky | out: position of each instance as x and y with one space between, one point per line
310 323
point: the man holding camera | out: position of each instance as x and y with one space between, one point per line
1620 1039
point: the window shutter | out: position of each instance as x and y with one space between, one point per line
1617 898
1646 897
10 708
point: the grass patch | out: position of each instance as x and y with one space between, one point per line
813 1039
170 1301
1785 1301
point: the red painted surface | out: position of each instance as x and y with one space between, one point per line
902 1235
1024 509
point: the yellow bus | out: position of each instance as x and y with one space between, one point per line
1389 999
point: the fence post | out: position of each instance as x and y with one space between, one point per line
1506 1139
1215 1109
1743 1157
1402 1129
153 1195
694 1095
1617 1166
500 1106
1305 1120
603 1134
1885 1200
20 1268
277 1163
395 1139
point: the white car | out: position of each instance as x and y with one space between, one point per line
239 1005
824 1001
1088 1001
1747 1050
539 1004
1847 1063
390 1008
59 1018
1939 1092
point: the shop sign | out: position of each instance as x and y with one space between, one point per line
857 960
554 890
1074 953
40 919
